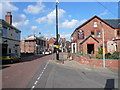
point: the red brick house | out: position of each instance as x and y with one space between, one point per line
33 45
87 38
50 44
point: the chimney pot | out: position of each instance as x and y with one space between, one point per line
8 18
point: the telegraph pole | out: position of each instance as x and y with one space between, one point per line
57 47
104 61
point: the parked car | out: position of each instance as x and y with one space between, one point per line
50 51
47 52
11 58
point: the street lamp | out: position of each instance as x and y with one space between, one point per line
104 61
57 48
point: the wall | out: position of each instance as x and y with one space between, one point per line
114 64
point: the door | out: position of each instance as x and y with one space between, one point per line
90 48
4 49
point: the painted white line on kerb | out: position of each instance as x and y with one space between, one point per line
40 75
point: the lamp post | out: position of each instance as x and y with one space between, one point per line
57 48
104 61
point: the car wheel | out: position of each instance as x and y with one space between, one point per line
19 60
11 61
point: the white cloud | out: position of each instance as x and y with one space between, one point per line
71 24
65 35
20 20
21 23
23 16
34 27
18 17
7 6
34 9
104 13
49 35
50 18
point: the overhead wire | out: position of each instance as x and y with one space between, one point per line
105 8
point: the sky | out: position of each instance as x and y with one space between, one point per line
35 17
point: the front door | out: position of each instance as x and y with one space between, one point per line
4 49
90 48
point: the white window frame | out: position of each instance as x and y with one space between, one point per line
95 24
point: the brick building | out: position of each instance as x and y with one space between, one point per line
50 43
33 45
87 38
61 41
10 36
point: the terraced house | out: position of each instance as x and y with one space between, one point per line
87 38
10 36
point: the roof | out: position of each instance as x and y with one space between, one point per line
88 38
90 20
114 22
34 38
3 22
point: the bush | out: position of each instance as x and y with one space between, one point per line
99 56
115 55
108 56
100 51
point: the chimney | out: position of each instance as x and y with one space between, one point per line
8 18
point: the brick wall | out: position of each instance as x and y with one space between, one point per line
114 64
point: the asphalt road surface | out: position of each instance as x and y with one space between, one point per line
41 72
56 75
18 75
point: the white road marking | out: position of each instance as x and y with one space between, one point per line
36 82
38 78
42 72
33 87
40 75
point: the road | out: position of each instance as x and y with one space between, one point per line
18 75
46 73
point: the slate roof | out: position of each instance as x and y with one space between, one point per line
113 22
88 38
3 22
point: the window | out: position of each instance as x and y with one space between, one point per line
95 24
80 34
93 33
118 32
17 36
98 33
4 32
